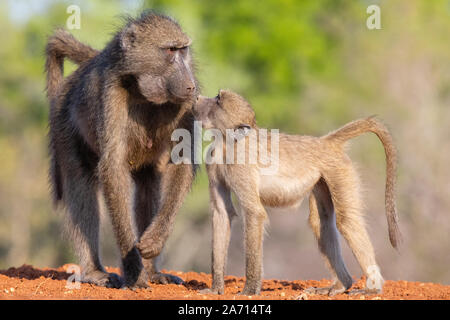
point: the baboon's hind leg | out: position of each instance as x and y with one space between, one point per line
323 222
345 192
81 200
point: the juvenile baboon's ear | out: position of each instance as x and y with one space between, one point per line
128 37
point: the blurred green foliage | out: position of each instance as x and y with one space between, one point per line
306 67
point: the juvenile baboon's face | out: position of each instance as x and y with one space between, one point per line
157 54
227 110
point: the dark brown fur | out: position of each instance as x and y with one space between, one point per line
110 128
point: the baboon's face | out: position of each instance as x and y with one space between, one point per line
157 54
227 110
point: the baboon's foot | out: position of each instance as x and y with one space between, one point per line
250 291
158 277
374 282
103 279
164 278
212 291
133 270
364 291
140 283
330 291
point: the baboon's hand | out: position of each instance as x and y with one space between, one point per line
148 247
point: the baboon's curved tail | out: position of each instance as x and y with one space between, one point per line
358 127
59 46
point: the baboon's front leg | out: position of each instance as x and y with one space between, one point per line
223 211
146 205
116 182
114 174
254 217
176 182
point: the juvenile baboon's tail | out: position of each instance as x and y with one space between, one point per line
59 46
358 127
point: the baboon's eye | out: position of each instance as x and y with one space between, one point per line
242 131
244 127
218 99
184 50
170 53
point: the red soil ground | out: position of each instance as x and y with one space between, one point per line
27 282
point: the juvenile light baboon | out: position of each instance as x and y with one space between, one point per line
110 128
318 166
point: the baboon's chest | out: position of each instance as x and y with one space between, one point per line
147 146
150 128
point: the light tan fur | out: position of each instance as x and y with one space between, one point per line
317 166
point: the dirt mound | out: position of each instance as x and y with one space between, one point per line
27 282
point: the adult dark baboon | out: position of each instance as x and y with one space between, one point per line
110 128
306 165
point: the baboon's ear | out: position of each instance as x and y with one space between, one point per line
128 37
